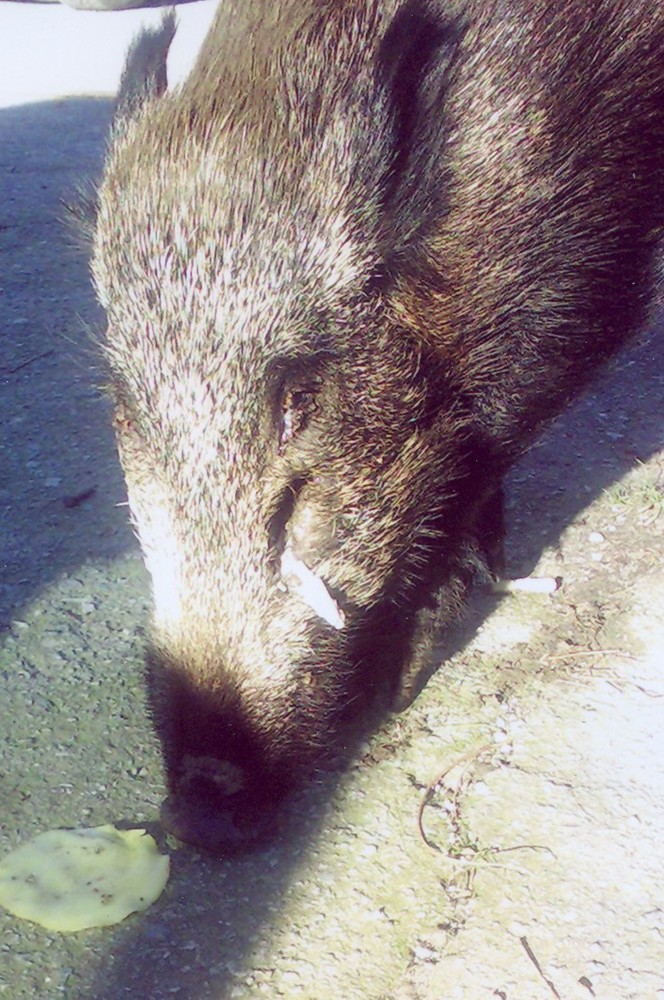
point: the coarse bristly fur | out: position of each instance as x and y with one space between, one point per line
350 268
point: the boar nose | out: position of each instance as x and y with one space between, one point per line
218 805
231 826
215 805
224 786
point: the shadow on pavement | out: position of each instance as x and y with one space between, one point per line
56 440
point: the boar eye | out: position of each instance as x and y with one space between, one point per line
298 404
124 423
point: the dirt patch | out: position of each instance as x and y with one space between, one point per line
555 823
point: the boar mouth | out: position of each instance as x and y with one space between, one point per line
294 574
202 814
215 805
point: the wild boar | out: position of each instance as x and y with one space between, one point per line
350 268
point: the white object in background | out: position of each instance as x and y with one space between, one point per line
48 51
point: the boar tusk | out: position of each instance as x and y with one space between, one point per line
527 585
310 589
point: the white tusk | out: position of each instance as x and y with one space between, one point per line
528 585
311 589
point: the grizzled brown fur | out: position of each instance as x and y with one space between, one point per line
350 268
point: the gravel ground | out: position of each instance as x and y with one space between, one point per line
539 740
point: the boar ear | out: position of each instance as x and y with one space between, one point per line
143 78
144 75
414 62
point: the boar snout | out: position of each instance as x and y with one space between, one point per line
210 807
223 788
236 741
